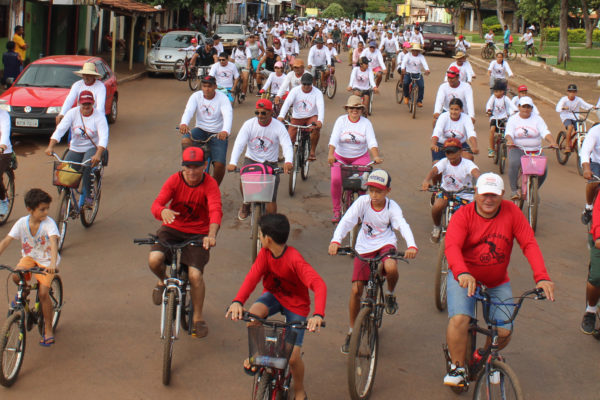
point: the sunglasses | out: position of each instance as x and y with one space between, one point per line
451 150
222 59
354 108
261 113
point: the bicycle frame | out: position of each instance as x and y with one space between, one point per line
533 158
173 282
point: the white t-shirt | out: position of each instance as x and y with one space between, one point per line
489 38
590 149
304 105
262 142
375 58
462 45
527 132
352 139
445 93
528 38
363 80
500 71
446 128
377 228
400 59
291 48
96 128
240 57
414 65
280 52
98 90
225 75
274 82
456 177
572 105
318 57
501 108
389 45
36 246
5 131
214 115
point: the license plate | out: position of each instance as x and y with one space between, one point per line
30 123
169 67
437 49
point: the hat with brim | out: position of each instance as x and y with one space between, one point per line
379 179
416 46
460 54
192 156
526 101
490 183
354 101
88 69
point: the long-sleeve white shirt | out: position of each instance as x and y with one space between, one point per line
274 82
417 38
466 72
414 65
501 108
291 81
377 227
291 48
389 45
352 139
262 142
96 129
590 149
214 115
500 71
571 105
225 75
363 80
375 58
527 132
304 105
318 57
280 52
5 131
446 128
98 90
400 58
354 40
445 93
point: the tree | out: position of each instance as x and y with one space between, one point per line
586 6
334 11
500 12
454 7
563 40
544 12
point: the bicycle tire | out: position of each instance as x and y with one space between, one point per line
168 340
414 95
193 81
484 52
363 326
179 70
88 215
186 314
441 273
12 340
354 231
305 155
533 201
8 178
256 214
388 67
497 143
62 215
262 386
509 384
371 104
331 87
561 156
502 158
399 92
512 54
56 296
293 173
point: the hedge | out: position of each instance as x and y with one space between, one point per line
493 20
575 35
496 28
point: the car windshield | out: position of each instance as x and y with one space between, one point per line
438 29
230 30
176 41
43 75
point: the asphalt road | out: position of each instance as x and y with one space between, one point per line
107 342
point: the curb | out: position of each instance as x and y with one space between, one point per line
131 77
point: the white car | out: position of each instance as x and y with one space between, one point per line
166 52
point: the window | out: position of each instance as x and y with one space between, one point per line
101 70
40 75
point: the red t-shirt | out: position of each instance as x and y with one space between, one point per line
288 278
198 206
482 247
595 229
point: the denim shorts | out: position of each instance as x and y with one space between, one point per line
460 303
595 167
218 147
269 300
569 122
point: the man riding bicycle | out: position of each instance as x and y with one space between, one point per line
389 47
241 57
413 63
375 61
318 60
292 80
205 56
226 74
292 48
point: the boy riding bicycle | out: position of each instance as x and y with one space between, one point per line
380 216
286 279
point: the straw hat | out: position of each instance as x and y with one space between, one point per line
460 54
88 69
416 46
354 101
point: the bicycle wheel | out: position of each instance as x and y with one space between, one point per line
520 202
484 52
441 273
500 382
502 158
251 82
179 70
561 156
388 67
56 295
413 100
169 338
512 54
331 87
193 79
371 104
533 201
399 92
362 357
8 179
305 155
62 215
262 386
284 393
256 214
497 144
294 172
12 348
188 310
88 213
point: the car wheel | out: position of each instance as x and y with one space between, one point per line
112 117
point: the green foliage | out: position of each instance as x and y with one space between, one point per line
493 20
334 11
378 6
575 35
496 28
544 12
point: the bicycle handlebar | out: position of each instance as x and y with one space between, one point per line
84 163
201 141
300 126
354 166
153 239
249 317
276 171
537 152
34 270
481 294
349 251
465 190
586 112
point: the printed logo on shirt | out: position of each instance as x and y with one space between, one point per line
206 109
260 143
491 249
453 133
526 131
371 231
352 137
303 106
451 183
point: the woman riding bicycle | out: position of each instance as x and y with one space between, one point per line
362 81
454 124
351 141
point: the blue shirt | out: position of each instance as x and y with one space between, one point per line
12 65
507 36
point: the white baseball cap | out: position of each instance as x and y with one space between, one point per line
526 100
490 183
329 41
379 179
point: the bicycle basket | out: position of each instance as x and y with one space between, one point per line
354 178
65 175
258 188
533 165
270 346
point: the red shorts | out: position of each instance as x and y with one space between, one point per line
361 268
377 69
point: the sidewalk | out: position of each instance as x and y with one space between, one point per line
122 71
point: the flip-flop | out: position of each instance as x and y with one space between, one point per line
312 158
47 341
251 370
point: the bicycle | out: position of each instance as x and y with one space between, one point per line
389 72
364 340
270 347
400 90
510 53
177 308
441 270
528 51
354 184
194 75
331 84
301 155
237 91
413 93
67 179
576 140
182 67
8 180
488 51
494 379
21 318
501 152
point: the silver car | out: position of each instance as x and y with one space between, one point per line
166 52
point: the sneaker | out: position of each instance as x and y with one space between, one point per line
157 294
346 346
589 323
586 216
3 207
435 234
391 306
419 104
456 377
243 96
491 153
337 215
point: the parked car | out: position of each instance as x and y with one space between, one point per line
438 37
165 52
231 33
36 97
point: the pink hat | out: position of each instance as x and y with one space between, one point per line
278 64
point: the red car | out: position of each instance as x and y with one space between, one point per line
38 93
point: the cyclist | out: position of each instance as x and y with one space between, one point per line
456 173
390 47
286 279
522 92
292 79
266 66
319 57
89 82
89 139
407 34
352 44
499 70
592 290
194 212
454 88
400 59
205 55
226 74
413 63
417 37
308 108
462 44
333 54
256 51
590 162
6 157
213 115
466 70
527 130
489 39
217 44
379 216
565 107
356 54
362 81
279 50
499 108
274 81
242 58
262 137
528 39
292 48
352 139
488 223
454 124
375 61
37 250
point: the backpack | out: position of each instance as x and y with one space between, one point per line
256 169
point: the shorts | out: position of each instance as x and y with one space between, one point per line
218 147
377 69
569 122
595 167
391 55
269 300
594 267
460 304
265 72
242 68
361 271
248 161
192 256
316 68
501 122
362 92
26 263
438 155
255 64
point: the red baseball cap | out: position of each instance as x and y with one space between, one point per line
522 88
452 143
461 37
453 72
86 97
265 104
192 156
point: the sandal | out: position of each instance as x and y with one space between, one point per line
249 369
47 341
312 157
200 329
157 294
244 211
